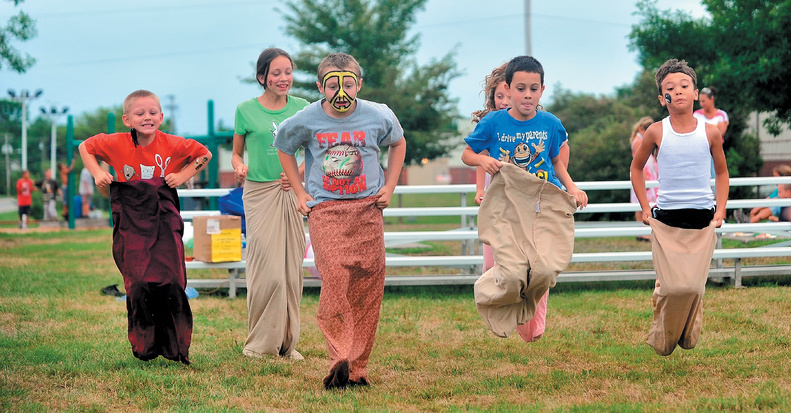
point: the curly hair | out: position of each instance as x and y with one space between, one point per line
490 84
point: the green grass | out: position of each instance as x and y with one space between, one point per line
63 346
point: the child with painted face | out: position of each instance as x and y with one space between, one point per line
687 210
148 229
344 193
526 217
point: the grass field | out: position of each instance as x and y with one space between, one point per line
63 346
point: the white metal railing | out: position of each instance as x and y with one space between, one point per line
468 234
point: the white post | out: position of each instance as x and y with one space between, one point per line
53 143
24 130
528 52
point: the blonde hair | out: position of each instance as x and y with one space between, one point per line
643 124
139 94
490 83
782 170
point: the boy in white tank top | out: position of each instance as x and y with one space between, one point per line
687 210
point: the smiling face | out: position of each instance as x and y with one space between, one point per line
525 90
340 87
681 89
280 76
144 115
501 98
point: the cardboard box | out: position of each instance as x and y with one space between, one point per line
217 238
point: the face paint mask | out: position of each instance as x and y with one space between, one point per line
341 102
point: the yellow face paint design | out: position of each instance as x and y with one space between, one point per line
341 101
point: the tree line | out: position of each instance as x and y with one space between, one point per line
741 48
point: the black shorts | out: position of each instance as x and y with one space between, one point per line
687 218
24 210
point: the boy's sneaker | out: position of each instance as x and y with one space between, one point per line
740 217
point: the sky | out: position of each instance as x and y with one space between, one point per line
93 53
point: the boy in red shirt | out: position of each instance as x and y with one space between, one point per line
147 245
24 189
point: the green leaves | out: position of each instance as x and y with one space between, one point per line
375 33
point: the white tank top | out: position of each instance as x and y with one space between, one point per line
684 162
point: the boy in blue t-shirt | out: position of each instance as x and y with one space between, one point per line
521 135
532 242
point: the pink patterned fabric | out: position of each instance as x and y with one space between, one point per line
348 244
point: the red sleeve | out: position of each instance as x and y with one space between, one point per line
194 149
98 145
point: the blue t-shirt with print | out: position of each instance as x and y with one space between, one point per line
529 144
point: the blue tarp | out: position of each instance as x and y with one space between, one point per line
232 204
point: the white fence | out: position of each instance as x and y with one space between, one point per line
470 264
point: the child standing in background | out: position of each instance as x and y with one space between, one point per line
686 212
24 197
147 243
343 197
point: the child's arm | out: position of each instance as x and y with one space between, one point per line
761 213
285 184
650 141
102 178
489 164
565 179
395 161
480 184
721 179
290 168
480 181
565 153
189 170
237 158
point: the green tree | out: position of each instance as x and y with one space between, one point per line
599 128
375 33
742 49
20 27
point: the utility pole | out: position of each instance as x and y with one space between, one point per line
528 41
53 115
7 149
23 97
171 108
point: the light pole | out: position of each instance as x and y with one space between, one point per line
53 115
23 97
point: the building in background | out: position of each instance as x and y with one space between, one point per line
775 150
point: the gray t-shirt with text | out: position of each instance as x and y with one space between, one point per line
341 155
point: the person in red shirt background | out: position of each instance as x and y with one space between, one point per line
24 190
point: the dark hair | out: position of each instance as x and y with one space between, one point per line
709 91
265 59
675 66
523 64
